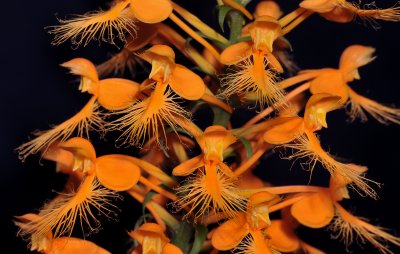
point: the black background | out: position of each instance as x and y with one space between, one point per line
37 92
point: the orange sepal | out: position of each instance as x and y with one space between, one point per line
149 230
236 53
353 57
80 147
158 53
314 211
282 237
330 81
189 166
117 172
320 6
82 67
339 15
72 245
151 11
171 249
268 8
284 131
186 83
230 233
64 159
117 93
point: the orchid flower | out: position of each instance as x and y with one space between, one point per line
343 11
146 118
335 82
306 144
49 245
213 187
111 94
244 231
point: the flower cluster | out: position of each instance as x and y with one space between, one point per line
197 184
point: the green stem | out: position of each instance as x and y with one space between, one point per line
236 25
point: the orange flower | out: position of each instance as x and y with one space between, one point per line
252 59
115 172
213 187
111 94
321 208
145 119
49 245
244 231
342 11
121 18
307 145
335 82
152 239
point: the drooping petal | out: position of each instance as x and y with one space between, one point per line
186 83
153 11
117 93
117 172
314 211
236 53
230 233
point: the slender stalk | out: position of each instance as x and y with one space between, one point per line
194 35
149 206
296 22
297 79
158 189
291 16
196 22
238 7
270 109
285 203
253 159
213 100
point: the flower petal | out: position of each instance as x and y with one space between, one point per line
355 56
332 82
72 245
186 83
82 67
151 11
315 211
320 6
285 131
80 147
171 249
236 53
189 166
282 237
117 93
230 233
117 172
